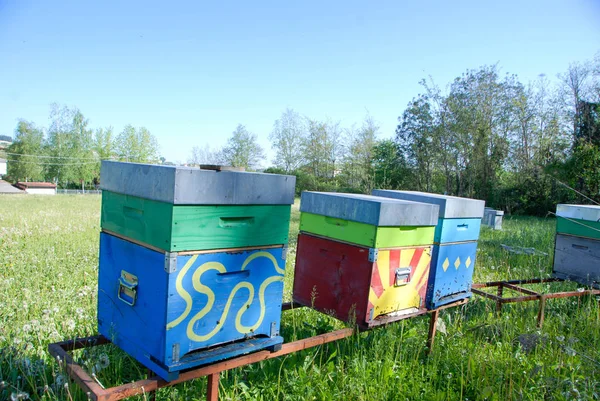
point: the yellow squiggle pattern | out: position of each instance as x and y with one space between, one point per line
183 293
203 289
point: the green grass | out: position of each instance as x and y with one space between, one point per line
48 284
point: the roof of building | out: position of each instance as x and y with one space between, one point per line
6 188
34 184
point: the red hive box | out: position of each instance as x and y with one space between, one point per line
355 283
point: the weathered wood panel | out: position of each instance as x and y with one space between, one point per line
340 279
190 228
366 234
577 259
169 320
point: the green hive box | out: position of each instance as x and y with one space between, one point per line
176 228
578 227
366 234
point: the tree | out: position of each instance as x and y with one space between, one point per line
358 161
70 144
6 138
287 138
389 166
575 88
242 149
136 145
204 155
414 136
24 162
104 143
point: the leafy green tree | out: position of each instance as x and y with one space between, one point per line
136 145
24 162
204 155
390 168
287 138
70 144
358 161
242 149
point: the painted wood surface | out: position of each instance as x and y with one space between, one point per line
577 259
368 209
578 227
210 299
338 278
457 230
451 207
451 274
192 186
366 234
189 228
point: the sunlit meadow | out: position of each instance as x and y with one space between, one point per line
48 284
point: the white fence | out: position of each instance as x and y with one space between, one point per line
78 192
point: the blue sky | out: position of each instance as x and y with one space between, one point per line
191 71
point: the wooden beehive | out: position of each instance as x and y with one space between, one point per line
454 247
191 269
363 258
577 245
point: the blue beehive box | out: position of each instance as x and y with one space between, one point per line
455 244
176 311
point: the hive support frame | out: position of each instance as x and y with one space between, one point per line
529 295
212 372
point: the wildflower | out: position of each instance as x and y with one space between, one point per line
103 360
560 339
26 328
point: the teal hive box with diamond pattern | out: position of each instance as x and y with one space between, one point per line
454 247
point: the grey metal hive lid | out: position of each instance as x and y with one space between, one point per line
451 207
583 212
192 186
369 209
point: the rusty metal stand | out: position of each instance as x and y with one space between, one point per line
530 295
212 372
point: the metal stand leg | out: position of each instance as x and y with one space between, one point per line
499 303
151 394
212 389
432 329
541 311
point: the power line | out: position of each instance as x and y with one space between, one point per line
51 164
52 157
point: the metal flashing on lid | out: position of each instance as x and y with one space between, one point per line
193 186
368 209
581 212
451 207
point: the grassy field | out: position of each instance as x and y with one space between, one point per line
48 284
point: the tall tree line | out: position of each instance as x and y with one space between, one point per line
69 151
521 147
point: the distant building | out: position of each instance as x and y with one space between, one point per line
6 188
37 188
2 167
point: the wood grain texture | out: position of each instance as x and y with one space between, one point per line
198 314
451 274
174 228
365 234
577 259
338 279
578 227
